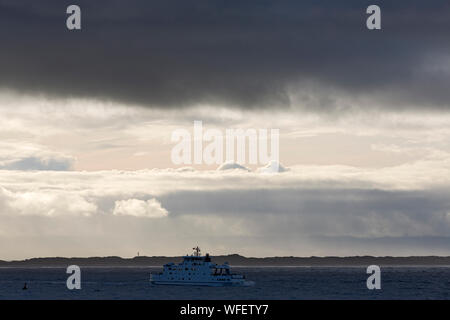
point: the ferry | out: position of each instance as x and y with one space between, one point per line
197 270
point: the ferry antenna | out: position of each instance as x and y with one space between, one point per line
196 251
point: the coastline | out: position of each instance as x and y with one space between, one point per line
235 260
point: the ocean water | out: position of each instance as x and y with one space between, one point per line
268 283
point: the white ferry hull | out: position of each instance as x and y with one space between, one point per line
198 283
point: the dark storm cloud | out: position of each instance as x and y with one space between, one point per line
324 212
243 53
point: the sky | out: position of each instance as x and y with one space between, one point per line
87 119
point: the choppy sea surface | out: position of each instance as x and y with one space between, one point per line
265 283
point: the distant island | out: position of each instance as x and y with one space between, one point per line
234 260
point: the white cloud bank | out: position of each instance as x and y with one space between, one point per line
307 210
140 208
45 203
